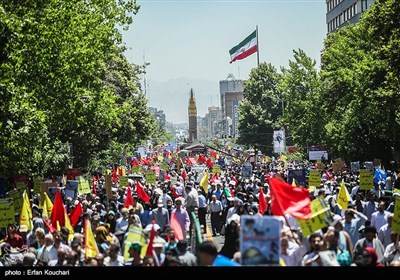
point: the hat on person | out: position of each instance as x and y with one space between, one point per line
336 218
150 226
124 211
234 218
111 212
159 242
23 228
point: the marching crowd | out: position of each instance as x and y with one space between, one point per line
360 235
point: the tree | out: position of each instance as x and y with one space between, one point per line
361 89
304 118
261 108
65 82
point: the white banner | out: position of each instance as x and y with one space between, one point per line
279 141
318 155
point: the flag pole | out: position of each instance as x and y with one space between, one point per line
258 48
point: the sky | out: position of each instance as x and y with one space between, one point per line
190 40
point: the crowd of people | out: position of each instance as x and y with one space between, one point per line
360 235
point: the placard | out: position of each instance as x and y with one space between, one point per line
150 177
260 240
314 178
6 212
16 196
366 180
83 186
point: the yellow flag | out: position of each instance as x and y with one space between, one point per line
123 171
281 262
160 158
69 227
47 206
294 183
64 180
343 197
204 181
26 212
91 249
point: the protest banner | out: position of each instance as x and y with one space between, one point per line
366 180
299 175
150 177
216 169
123 181
83 185
260 240
6 212
396 217
16 196
320 214
314 178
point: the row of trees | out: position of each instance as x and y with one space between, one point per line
68 94
350 105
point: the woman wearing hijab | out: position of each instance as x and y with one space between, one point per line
370 257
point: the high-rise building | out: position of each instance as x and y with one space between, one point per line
342 12
231 93
214 118
192 110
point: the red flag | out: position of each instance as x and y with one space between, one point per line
184 175
234 180
135 163
141 193
202 159
49 227
328 176
177 227
173 190
119 171
262 203
209 163
114 176
288 200
129 199
190 161
213 154
214 178
149 251
75 214
167 178
94 191
58 213
231 192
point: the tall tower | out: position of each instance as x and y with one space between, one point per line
192 118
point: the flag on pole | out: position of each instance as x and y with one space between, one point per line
57 215
288 200
204 182
141 192
149 251
245 48
129 199
177 227
26 212
343 197
91 249
47 206
75 214
262 203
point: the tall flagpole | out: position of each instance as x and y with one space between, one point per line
258 48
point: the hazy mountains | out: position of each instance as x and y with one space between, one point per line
173 97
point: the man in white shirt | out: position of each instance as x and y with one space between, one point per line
379 218
385 231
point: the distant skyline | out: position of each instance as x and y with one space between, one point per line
191 39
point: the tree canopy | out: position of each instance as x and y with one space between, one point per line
66 88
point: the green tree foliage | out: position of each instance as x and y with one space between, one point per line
261 107
300 84
64 81
351 105
360 75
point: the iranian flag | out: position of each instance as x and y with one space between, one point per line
245 48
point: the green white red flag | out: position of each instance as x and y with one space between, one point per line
245 48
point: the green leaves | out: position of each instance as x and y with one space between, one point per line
64 81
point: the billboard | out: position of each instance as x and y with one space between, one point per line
279 141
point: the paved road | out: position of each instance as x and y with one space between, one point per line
218 240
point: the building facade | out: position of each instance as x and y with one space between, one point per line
231 94
192 110
342 12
